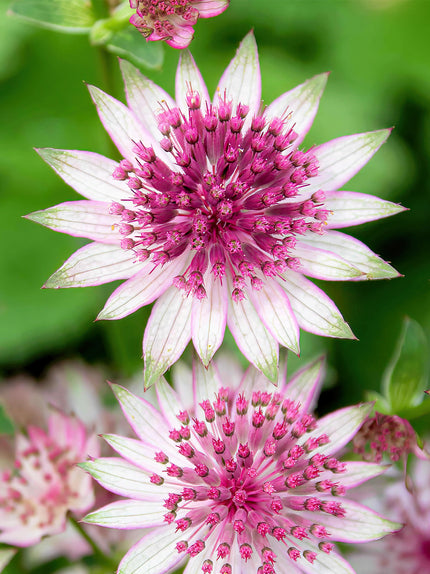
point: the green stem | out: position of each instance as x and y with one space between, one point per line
98 552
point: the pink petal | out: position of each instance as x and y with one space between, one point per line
155 553
90 219
167 333
351 208
209 8
94 264
300 105
340 159
323 264
241 81
315 312
340 426
147 285
90 174
122 125
370 265
305 385
252 337
128 514
208 318
145 99
188 76
274 310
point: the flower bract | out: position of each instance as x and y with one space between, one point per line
240 479
173 20
217 214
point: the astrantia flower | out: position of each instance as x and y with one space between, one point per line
245 479
173 20
215 213
45 483
409 549
388 434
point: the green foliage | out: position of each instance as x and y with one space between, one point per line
6 425
70 16
406 376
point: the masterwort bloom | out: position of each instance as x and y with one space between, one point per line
217 215
409 549
390 435
173 20
45 483
243 480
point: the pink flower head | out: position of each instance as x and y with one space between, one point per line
409 549
388 434
45 483
242 479
217 215
173 20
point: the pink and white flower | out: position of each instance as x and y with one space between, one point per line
173 20
243 479
217 215
45 483
409 549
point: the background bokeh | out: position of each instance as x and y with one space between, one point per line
377 52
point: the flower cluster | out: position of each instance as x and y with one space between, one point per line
45 482
217 215
173 20
242 475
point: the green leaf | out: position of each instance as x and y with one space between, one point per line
6 555
405 378
6 425
71 16
129 43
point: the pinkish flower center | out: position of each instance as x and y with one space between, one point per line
39 490
154 15
252 477
228 195
384 434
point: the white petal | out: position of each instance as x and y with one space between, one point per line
128 514
167 333
206 382
155 553
358 472
351 208
324 563
360 524
170 402
136 452
90 174
182 377
121 124
123 478
354 251
188 76
147 422
145 98
90 219
208 318
94 264
340 426
252 337
300 105
241 81
149 283
342 158
316 262
274 309
305 386
314 311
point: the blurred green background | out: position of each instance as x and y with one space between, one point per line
377 52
